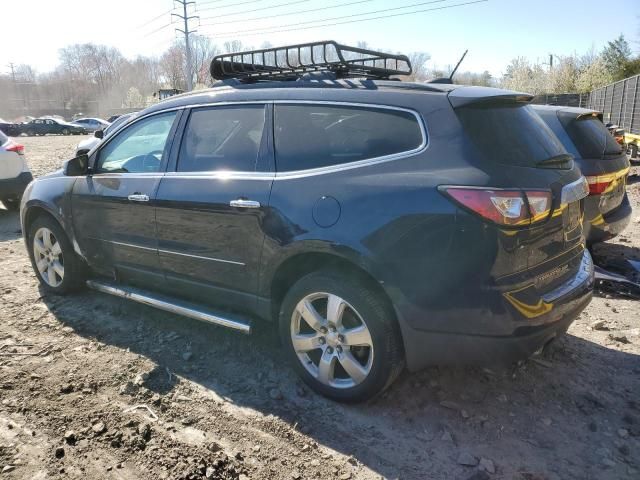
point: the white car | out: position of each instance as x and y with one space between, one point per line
14 172
92 124
88 143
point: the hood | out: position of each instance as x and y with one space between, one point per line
54 174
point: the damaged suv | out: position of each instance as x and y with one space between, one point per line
378 223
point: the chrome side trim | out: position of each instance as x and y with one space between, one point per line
574 191
169 305
127 175
171 252
315 171
585 274
123 244
222 175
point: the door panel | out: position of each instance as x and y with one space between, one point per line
114 209
116 233
208 248
204 240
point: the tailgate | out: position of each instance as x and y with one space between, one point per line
518 150
555 241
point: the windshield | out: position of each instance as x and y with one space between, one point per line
590 136
511 134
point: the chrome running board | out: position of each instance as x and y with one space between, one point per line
169 304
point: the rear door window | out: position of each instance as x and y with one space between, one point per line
310 136
222 139
590 136
510 135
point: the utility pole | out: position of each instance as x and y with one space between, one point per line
185 18
12 66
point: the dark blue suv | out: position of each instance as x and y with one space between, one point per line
379 223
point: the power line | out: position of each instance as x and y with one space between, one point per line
348 4
230 5
213 1
229 34
154 19
257 9
157 30
343 16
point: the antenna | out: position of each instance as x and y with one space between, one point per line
453 72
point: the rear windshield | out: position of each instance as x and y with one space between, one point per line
3 138
511 135
590 136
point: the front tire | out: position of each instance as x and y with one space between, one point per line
341 336
58 268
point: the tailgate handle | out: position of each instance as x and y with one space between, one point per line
575 191
243 203
138 197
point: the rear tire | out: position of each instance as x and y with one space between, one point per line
58 268
350 355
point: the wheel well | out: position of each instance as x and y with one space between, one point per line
32 214
298 266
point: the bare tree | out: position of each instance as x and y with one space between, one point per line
202 51
172 66
419 66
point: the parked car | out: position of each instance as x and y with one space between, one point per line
376 223
89 143
602 160
113 118
14 172
44 126
91 124
9 128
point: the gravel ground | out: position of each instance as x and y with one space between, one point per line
96 387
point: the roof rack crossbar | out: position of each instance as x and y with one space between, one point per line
292 61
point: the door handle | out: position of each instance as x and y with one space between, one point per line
242 203
138 197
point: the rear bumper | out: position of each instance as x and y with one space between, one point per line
556 310
14 187
601 227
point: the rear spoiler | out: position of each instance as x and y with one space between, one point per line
467 96
595 114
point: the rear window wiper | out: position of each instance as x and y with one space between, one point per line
557 161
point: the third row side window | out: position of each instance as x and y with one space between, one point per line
222 138
311 136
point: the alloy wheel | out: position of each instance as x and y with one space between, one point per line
331 340
47 253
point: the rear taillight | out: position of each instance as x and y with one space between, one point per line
598 185
504 207
14 147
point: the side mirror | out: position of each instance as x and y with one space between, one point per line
77 166
98 134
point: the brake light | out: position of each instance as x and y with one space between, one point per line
504 207
598 185
15 147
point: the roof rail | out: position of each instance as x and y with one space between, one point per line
292 61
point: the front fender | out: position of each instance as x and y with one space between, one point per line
52 195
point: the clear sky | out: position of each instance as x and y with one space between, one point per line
494 31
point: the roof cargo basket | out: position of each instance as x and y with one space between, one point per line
293 61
